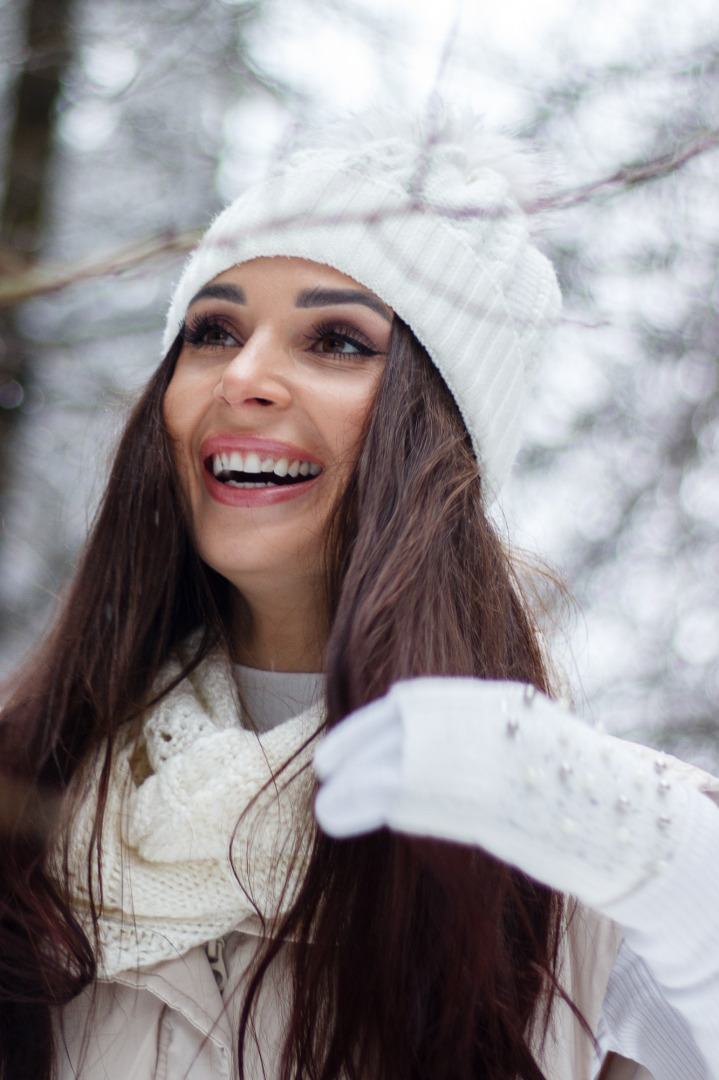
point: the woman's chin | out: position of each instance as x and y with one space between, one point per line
260 562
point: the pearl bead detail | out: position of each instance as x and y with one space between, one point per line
512 726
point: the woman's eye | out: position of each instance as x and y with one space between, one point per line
331 341
202 331
336 344
215 335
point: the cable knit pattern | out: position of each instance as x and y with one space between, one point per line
167 881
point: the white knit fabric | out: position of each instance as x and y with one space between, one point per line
638 1022
432 225
498 765
167 882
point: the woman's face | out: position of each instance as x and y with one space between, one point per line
279 368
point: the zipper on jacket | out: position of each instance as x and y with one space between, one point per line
215 950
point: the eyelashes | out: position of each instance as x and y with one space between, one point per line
194 331
342 334
331 338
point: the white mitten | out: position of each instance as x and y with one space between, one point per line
500 766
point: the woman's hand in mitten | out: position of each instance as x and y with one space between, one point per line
500 766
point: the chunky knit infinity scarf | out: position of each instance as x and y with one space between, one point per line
190 790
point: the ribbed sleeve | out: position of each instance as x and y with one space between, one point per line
672 923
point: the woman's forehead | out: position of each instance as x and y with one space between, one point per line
285 268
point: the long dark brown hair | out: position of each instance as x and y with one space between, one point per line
409 958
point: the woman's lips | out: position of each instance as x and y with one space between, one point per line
259 458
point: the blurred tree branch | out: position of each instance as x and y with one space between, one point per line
19 283
40 279
632 175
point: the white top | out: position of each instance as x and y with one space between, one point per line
636 1021
271 697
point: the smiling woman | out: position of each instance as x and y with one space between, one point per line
278 370
285 792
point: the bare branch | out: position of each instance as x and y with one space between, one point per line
41 279
631 175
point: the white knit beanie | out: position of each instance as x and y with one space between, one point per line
433 224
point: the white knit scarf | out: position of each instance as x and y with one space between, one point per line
175 805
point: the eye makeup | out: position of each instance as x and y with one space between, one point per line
341 334
199 327
212 330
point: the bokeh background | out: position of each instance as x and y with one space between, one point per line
125 125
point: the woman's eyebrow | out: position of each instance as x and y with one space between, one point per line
322 297
220 292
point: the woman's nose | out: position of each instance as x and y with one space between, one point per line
256 375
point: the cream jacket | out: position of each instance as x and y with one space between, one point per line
170 1022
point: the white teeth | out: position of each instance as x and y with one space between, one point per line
248 485
253 463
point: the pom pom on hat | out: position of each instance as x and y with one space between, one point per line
429 216
417 136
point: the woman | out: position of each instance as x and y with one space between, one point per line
294 530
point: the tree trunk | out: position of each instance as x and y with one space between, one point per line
24 203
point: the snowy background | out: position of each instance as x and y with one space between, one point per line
161 112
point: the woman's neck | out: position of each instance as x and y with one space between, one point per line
283 632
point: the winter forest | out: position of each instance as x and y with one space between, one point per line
125 125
